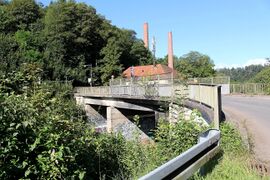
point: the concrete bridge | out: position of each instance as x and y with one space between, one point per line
114 107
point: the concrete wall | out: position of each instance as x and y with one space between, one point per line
118 122
96 118
225 88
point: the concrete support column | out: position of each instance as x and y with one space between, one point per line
115 118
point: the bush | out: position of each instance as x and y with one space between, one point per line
173 139
44 135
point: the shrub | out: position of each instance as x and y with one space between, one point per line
44 135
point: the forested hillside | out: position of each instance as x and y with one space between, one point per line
64 40
241 74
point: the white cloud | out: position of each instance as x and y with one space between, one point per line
256 61
219 66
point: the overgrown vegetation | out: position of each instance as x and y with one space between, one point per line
44 135
233 162
262 77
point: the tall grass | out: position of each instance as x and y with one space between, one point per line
234 160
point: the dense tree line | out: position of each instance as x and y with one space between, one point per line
64 40
242 74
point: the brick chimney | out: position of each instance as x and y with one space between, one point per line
170 50
145 35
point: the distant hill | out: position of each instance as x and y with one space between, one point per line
241 74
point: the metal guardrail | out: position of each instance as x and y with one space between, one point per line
184 165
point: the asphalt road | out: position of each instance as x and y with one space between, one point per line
253 115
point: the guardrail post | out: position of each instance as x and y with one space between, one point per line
217 106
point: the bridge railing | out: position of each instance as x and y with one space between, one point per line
207 94
211 80
250 88
98 90
188 162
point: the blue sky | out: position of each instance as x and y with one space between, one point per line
231 32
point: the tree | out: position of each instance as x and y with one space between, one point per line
19 14
262 77
165 60
9 58
241 74
72 39
110 64
139 54
123 50
195 64
64 37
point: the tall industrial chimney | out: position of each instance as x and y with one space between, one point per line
170 50
145 35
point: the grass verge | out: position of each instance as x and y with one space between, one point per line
234 160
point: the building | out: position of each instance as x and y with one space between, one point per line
156 71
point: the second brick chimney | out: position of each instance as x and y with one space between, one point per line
170 50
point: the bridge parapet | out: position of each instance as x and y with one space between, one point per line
206 94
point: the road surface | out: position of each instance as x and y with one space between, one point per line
252 114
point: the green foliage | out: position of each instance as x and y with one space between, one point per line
44 135
111 62
9 58
62 46
18 14
241 74
177 138
231 141
262 77
195 64
171 141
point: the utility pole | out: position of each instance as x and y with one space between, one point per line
154 50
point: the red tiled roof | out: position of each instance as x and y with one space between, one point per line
149 70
